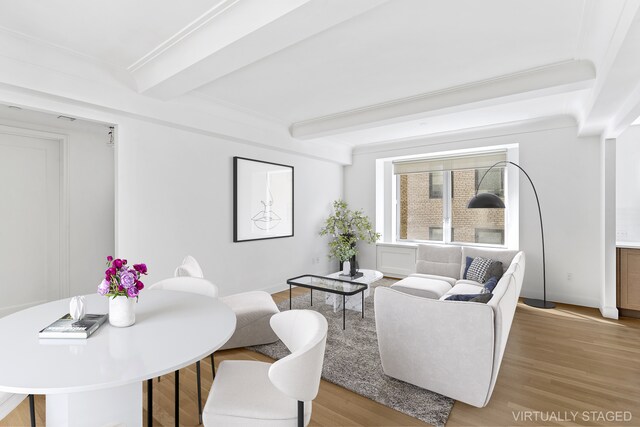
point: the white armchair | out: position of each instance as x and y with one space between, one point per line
279 394
253 311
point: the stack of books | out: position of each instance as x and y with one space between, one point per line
66 327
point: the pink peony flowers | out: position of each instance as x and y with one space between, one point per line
122 280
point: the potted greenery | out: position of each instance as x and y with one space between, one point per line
347 227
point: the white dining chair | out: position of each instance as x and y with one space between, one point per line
189 268
10 401
280 394
182 284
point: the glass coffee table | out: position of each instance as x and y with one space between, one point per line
331 285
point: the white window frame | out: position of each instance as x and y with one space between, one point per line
388 206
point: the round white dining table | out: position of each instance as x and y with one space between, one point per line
98 381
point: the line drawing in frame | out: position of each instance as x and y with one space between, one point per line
263 202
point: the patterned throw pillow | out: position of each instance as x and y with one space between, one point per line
495 270
481 269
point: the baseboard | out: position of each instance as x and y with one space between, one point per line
609 312
273 289
566 299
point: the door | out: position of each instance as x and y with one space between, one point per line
29 221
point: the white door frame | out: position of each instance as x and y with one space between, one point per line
63 141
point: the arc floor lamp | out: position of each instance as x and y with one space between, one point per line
489 200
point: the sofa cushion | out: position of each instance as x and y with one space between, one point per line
439 260
449 280
422 287
464 289
505 256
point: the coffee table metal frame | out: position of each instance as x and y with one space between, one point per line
361 288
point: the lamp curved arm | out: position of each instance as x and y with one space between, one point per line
535 193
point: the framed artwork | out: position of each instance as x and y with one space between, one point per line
262 200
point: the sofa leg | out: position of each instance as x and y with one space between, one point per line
177 402
213 368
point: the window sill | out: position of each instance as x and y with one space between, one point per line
414 244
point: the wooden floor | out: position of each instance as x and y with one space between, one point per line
560 360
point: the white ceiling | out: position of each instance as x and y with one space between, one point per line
362 71
117 32
401 49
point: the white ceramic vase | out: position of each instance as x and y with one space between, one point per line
346 268
77 308
122 311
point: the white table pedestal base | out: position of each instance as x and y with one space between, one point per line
120 406
353 302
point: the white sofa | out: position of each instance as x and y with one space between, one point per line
454 348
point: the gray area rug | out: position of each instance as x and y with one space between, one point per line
352 361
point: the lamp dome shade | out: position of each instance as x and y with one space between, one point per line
486 201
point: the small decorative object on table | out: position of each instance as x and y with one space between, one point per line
76 308
347 227
122 285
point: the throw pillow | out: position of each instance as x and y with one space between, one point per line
495 270
478 269
490 284
483 298
470 297
481 269
469 261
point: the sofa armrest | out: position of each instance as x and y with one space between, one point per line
442 346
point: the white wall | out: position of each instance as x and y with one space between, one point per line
91 193
628 185
566 172
175 195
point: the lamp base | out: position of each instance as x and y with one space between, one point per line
538 303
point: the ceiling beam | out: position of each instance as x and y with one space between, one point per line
233 35
557 78
615 101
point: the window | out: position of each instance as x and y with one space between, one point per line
435 233
469 221
493 181
417 211
436 181
432 197
490 236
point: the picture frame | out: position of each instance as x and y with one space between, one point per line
263 200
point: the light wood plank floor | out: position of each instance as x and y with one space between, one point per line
566 359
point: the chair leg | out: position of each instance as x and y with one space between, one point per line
213 368
300 413
199 392
149 402
177 404
32 410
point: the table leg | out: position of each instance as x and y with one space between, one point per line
150 402
199 392
363 304
311 297
88 408
289 297
344 311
